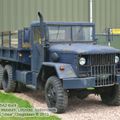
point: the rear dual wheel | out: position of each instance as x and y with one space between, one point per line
8 83
1 75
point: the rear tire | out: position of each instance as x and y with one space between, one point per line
8 83
111 96
1 75
56 96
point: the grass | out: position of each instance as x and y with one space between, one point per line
10 98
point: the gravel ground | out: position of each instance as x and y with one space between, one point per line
90 108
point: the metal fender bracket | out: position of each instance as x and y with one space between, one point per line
65 71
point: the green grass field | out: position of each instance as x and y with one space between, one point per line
10 98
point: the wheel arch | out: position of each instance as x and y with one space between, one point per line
45 73
53 69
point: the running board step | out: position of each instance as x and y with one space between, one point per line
31 87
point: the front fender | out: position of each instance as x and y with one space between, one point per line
68 71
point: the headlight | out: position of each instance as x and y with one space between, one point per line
82 61
117 59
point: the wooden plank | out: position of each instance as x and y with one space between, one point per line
6 33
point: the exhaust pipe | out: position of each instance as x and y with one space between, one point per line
40 17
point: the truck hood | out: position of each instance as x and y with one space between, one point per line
80 48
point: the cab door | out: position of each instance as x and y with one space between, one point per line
37 49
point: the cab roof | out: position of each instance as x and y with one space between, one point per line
36 23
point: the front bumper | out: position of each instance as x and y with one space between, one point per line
89 82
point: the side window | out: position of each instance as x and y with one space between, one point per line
37 35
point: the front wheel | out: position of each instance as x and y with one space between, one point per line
56 96
111 96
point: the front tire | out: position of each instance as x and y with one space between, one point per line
8 83
56 96
111 96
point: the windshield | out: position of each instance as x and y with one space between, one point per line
68 33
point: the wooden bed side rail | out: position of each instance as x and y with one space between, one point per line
7 33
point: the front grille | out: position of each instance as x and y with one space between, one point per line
102 59
105 74
102 67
